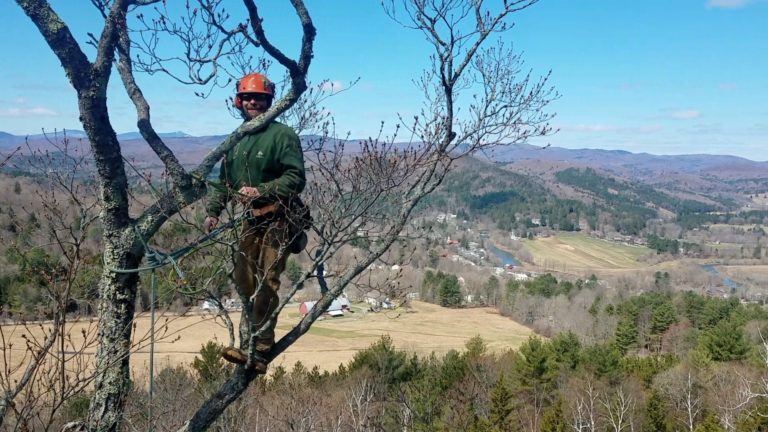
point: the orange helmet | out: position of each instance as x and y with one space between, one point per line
253 83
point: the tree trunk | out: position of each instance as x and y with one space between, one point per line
117 290
116 308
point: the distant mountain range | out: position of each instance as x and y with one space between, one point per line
627 160
188 149
698 172
10 139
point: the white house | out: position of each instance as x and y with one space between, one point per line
337 307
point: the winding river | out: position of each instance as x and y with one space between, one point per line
505 257
728 282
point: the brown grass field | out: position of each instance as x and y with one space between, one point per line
760 271
423 329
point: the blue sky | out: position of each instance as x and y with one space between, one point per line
657 76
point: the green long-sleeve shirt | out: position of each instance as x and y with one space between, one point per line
270 160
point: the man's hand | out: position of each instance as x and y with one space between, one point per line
210 223
247 193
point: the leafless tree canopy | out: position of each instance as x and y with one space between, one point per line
477 96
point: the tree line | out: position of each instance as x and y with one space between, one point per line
546 385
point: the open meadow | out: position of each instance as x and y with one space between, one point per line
422 329
578 253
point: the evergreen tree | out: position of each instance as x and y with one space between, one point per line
553 419
452 370
655 414
647 367
424 394
567 349
694 308
709 424
536 371
210 367
502 412
476 347
626 335
537 367
602 360
434 258
491 288
755 421
726 341
292 270
664 315
390 365
450 292
716 310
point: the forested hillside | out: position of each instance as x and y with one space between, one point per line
585 199
675 362
512 200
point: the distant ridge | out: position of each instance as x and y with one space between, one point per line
137 135
192 149
694 176
11 139
625 160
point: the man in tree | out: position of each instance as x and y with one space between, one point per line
264 172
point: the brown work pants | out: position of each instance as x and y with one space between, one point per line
260 262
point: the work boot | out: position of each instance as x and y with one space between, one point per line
238 356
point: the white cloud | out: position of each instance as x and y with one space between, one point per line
703 129
589 128
685 114
727 86
24 112
332 86
603 128
727 4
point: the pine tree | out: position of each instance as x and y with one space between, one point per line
755 421
626 335
656 414
537 369
553 419
293 270
567 349
726 341
709 424
491 288
450 292
502 406
664 315
602 360
210 366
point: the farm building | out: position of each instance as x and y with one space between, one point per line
336 308
376 303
